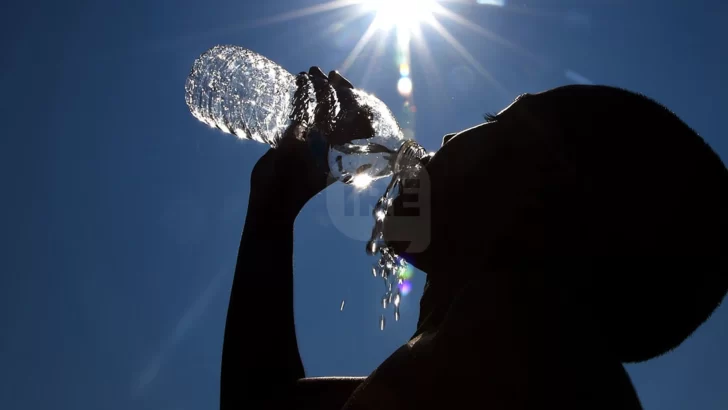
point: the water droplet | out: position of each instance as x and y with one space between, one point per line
391 267
381 322
372 247
341 308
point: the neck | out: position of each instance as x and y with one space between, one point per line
522 326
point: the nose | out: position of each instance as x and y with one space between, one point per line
447 138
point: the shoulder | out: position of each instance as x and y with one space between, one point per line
493 358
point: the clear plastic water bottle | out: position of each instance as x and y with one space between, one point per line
245 94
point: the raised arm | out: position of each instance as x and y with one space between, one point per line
261 365
260 362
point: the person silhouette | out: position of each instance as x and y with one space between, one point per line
578 229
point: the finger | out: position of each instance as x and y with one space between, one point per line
346 99
339 81
354 121
317 73
304 107
344 94
321 83
327 106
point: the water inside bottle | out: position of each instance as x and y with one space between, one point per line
240 92
243 93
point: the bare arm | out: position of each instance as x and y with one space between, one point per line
261 363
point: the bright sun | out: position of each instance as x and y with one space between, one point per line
404 17
402 14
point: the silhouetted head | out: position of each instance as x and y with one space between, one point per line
604 194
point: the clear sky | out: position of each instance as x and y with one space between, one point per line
121 213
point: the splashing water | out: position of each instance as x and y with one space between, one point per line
394 270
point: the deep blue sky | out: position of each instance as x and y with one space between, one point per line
121 214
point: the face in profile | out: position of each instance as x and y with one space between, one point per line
603 192
423 227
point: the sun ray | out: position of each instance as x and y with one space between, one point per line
505 6
378 52
466 55
432 74
363 41
407 17
307 11
343 22
442 11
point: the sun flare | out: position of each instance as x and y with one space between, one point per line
401 14
403 25
362 181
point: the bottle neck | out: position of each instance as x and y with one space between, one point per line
409 155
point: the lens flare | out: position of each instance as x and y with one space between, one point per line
405 287
404 86
406 272
404 70
362 181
